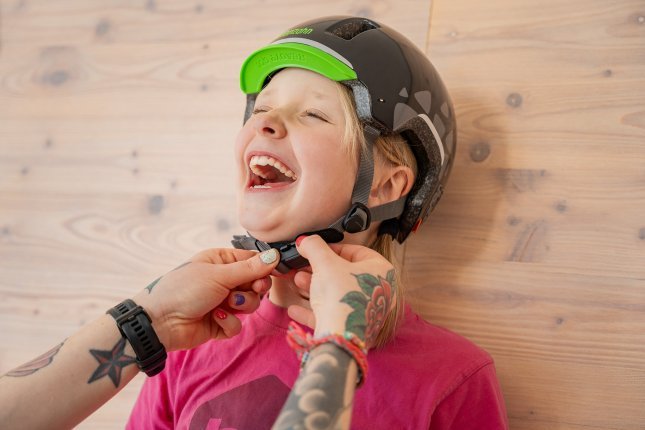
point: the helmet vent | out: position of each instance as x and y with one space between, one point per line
350 28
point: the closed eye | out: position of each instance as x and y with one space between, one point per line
316 114
260 109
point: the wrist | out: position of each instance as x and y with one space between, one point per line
304 343
135 326
158 318
334 322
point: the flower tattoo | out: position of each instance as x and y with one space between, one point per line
371 305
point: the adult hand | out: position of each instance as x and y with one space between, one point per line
197 300
350 287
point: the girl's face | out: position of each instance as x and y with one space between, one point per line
295 174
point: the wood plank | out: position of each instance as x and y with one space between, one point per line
536 252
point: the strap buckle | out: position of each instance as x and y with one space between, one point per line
357 219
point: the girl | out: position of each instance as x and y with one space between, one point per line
349 135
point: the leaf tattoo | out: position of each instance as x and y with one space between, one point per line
36 364
111 362
152 284
156 281
371 306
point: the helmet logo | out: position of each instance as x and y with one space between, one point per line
301 30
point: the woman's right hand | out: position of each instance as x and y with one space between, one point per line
351 288
198 300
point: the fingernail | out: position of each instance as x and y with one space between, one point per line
220 314
269 256
300 239
239 299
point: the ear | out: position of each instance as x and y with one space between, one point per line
390 183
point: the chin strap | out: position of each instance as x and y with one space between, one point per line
358 218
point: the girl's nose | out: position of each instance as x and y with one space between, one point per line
270 125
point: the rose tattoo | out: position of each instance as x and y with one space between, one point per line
371 306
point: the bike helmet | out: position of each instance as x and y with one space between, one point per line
396 90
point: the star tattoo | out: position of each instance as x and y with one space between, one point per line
111 362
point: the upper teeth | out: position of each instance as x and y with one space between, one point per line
265 160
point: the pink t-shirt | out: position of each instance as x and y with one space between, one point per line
426 378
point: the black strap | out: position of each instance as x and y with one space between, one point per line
359 214
135 325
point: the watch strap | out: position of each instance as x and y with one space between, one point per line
135 325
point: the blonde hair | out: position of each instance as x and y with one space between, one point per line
389 150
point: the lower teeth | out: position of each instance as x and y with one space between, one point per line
261 186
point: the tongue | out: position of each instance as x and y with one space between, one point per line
274 176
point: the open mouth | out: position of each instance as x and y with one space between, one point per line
267 172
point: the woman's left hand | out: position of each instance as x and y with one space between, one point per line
350 288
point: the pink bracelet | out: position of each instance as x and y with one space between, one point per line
303 342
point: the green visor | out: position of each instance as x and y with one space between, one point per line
274 57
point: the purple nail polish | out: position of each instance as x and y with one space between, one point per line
239 300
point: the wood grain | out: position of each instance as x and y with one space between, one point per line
117 121
537 252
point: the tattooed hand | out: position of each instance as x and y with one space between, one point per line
197 300
351 288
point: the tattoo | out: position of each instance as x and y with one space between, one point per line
371 306
322 395
181 265
111 363
36 364
153 283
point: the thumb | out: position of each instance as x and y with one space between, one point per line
316 250
259 266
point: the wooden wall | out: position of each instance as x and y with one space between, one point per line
116 126
538 251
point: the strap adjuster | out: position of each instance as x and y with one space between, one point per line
357 219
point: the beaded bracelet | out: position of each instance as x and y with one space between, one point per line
303 342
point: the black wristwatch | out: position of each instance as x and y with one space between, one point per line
135 325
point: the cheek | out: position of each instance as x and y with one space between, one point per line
332 173
241 142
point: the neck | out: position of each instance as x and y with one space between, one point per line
284 293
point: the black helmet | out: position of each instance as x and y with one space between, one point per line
396 90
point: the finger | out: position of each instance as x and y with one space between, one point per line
223 255
262 286
316 250
246 271
303 281
287 275
354 253
302 315
243 302
230 325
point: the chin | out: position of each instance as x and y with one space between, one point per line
274 232
265 230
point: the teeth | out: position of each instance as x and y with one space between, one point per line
264 160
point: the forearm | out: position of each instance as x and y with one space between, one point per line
323 394
67 384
